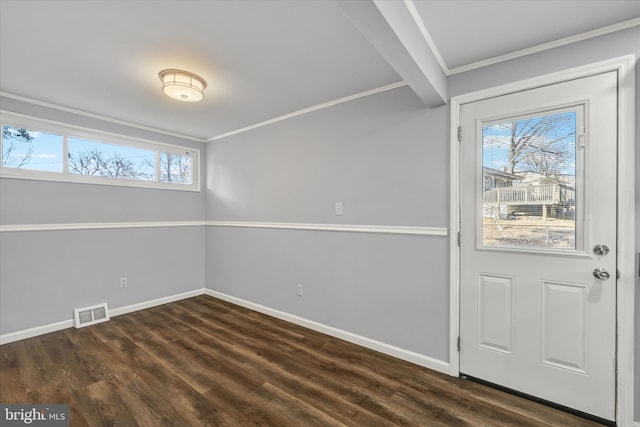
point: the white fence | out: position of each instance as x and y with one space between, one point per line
553 194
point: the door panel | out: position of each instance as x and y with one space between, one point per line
537 193
495 312
565 325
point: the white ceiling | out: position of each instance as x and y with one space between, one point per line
261 59
468 31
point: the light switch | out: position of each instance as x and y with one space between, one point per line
339 208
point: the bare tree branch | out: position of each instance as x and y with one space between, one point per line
93 162
540 144
11 137
175 168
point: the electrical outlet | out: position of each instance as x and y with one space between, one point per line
299 290
339 208
124 282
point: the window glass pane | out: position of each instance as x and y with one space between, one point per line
28 149
176 168
529 182
109 160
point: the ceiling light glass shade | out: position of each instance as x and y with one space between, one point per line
182 85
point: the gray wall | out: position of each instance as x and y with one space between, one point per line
377 286
44 275
385 158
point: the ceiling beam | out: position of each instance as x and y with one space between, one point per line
391 28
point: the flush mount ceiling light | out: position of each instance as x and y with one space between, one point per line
182 85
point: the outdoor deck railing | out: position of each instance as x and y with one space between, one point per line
552 194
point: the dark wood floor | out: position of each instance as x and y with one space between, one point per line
203 361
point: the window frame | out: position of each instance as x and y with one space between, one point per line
581 228
71 131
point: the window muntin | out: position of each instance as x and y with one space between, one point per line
66 153
30 149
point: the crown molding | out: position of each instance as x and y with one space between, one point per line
310 109
544 46
98 116
217 137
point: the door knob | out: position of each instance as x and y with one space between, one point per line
601 273
601 249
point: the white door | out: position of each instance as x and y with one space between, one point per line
538 224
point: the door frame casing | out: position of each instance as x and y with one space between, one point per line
625 296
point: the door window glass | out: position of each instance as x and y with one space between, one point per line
529 181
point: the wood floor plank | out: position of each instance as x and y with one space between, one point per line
41 375
279 365
440 415
199 370
147 406
425 381
293 411
66 360
207 362
461 411
28 365
295 374
168 355
14 389
97 359
193 406
224 390
104 407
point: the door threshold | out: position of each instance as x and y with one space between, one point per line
553 405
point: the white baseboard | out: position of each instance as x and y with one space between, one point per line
159 301
407 355
34 332
58 326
